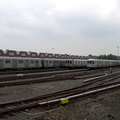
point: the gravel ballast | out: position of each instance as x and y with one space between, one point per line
85 108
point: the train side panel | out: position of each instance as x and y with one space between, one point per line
68 63
98 63
7 63
20 63
80 63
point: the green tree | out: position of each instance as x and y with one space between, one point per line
111 57
102 57
107 57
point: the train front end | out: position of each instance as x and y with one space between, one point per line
91 63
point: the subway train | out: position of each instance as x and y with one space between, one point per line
30 63
100 63
7 62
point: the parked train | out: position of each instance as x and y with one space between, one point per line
100 63
29 63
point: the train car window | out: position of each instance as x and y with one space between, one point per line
23 54
42 55
91 62
20 61
46 61
7 61
32 61
36 61
50 61
11 54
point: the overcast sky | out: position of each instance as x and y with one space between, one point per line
78 27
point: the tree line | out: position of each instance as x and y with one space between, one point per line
107 57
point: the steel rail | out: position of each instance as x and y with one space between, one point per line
75 92
41 73
39 79
35 77
52 78
29 71
57 100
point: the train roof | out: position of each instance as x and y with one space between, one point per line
14 53
28 58
6 57
101 60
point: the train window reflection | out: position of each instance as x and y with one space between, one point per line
91 62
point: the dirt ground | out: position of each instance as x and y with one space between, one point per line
100 106
103 106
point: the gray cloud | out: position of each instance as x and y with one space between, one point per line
80 30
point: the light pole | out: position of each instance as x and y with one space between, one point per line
118 52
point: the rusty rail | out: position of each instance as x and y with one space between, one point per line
86 88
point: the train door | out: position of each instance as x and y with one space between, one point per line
42 62
46 63
54 63
14 64
36 64
1 64
26 64
60 63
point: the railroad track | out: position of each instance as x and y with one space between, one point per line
48 77
23 75
39 77
41 74
89 87
10 72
